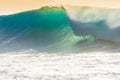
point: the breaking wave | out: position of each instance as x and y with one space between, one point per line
52 29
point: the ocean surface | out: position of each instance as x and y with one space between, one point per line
60 43
58 29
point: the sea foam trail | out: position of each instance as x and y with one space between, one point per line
102 23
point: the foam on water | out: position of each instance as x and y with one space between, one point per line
85 66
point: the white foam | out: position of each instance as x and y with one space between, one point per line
83 66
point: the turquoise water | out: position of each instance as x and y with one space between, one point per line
46 30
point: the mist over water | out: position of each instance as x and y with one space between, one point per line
52 29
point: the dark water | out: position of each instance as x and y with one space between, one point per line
46 30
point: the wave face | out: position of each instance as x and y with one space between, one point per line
51 29
46 29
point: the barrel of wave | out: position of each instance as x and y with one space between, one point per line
103 23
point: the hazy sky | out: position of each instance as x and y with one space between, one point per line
14 6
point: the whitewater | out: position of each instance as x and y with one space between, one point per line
60 43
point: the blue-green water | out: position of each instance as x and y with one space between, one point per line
46 30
